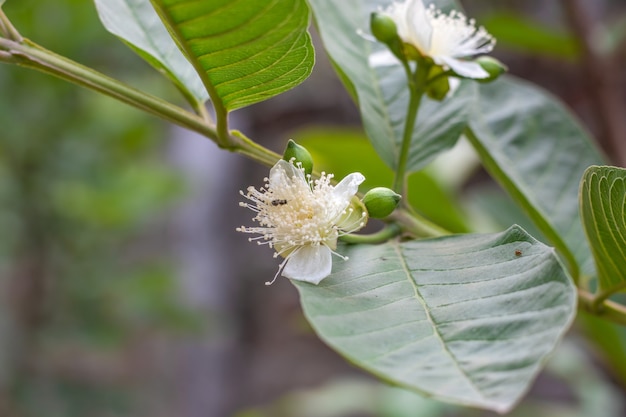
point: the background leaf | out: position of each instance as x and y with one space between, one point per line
603 209
246 50
538 151
136 23
463 318
382 93
518 32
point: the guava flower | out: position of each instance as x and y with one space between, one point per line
301 219
447 39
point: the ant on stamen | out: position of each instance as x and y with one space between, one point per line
280 202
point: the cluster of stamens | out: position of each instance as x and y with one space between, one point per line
297 213
454 35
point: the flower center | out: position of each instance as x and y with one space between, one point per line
295 213
455 36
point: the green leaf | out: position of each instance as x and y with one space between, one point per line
382 93
537 150
603 210
468 319
136 23
245 50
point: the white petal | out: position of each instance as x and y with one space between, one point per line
309 263
454 84
420 29
383 58
467 69
348 187
282 173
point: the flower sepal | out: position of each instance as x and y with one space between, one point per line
492 66
298 154
438 84
355 216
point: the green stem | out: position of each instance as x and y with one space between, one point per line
7 29
415 225
605 309
31 55
253 150
221 113
417 82
383 235
599 299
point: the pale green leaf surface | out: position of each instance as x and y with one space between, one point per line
537 150
136 22
462 318
246 50
382 93
603 209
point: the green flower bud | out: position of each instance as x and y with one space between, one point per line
381 202
298 154
439 88
493 67
383 27
385 30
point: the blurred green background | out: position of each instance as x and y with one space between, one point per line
124 290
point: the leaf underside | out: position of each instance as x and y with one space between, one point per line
537 150
246 50
603 209
382 92
136 23
467 318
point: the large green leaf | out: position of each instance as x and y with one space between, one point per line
538 151
136 22
382 92
603 209
464 318
246 51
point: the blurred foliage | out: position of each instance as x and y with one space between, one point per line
83 191
523 34
572 388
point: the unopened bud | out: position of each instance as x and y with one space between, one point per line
383 27
381 202
298 154
493 67
440 87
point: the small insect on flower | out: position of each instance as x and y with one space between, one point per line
301 219
280 202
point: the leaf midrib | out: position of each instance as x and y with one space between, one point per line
396 246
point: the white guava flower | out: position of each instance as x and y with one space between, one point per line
302 218
447 39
